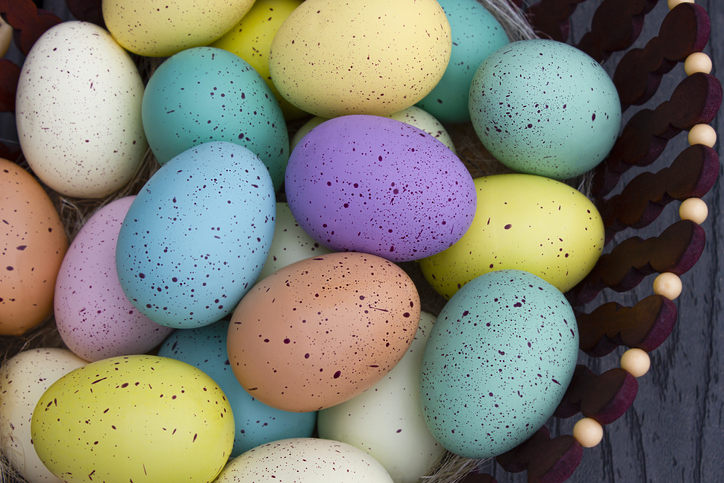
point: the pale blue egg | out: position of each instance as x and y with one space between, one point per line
498 362
256 423
197 235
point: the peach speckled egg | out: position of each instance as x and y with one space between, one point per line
322 330
377 57
32 246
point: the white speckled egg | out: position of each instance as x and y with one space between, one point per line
93 315
304 460
23 379
386 421
78 111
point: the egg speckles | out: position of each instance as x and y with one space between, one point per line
197 235
377 57
544 107
135 418
376 185
78 111
497 364
322 330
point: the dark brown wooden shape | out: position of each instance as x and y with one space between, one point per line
676 250
646 326
615 27
549 18
9 74
685 30
87 10
547 460
604 398
28 22
696 100
10 153
691 174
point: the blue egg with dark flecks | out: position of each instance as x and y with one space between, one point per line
197 235
498 362
475 35
256 423
206 94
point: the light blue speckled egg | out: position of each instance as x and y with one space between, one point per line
197 235
475 35
255 422
546 108
498 362
207 94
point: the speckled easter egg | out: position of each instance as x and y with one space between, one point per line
522 222
322 330
78 111
386 421
305 460
93 315
23 379
544 107
138 418
32 247
374 57
475 35
196 237
251 40
375 185
255 422
207 94
160 28
497 364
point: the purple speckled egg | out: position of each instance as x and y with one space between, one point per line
93 315
375 185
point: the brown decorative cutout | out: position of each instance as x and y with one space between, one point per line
87 10
549 18
9 74
28 22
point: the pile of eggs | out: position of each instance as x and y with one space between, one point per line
216 334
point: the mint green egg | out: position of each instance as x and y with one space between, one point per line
498 362
546 108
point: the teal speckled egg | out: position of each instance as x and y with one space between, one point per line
543 107
498 362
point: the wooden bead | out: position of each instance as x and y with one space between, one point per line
698 62
693 209
702 134
588 432
636 361
674 3
6 36
668 285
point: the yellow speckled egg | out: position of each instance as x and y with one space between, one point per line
522 222
32 246
161 28
134 418
376 57
251 40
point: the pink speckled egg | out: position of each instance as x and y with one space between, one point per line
93 315
375 185
322 330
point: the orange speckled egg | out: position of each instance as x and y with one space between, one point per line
32 245
322 330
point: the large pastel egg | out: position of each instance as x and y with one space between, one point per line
322 330
386 421
374 57
375 185
134 418
207 94
255 422
31 250
497 363
544 107
78 111
23 380
196 237
93 315
160 28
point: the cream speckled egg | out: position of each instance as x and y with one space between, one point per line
161 28
376 57
78 111
23 379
